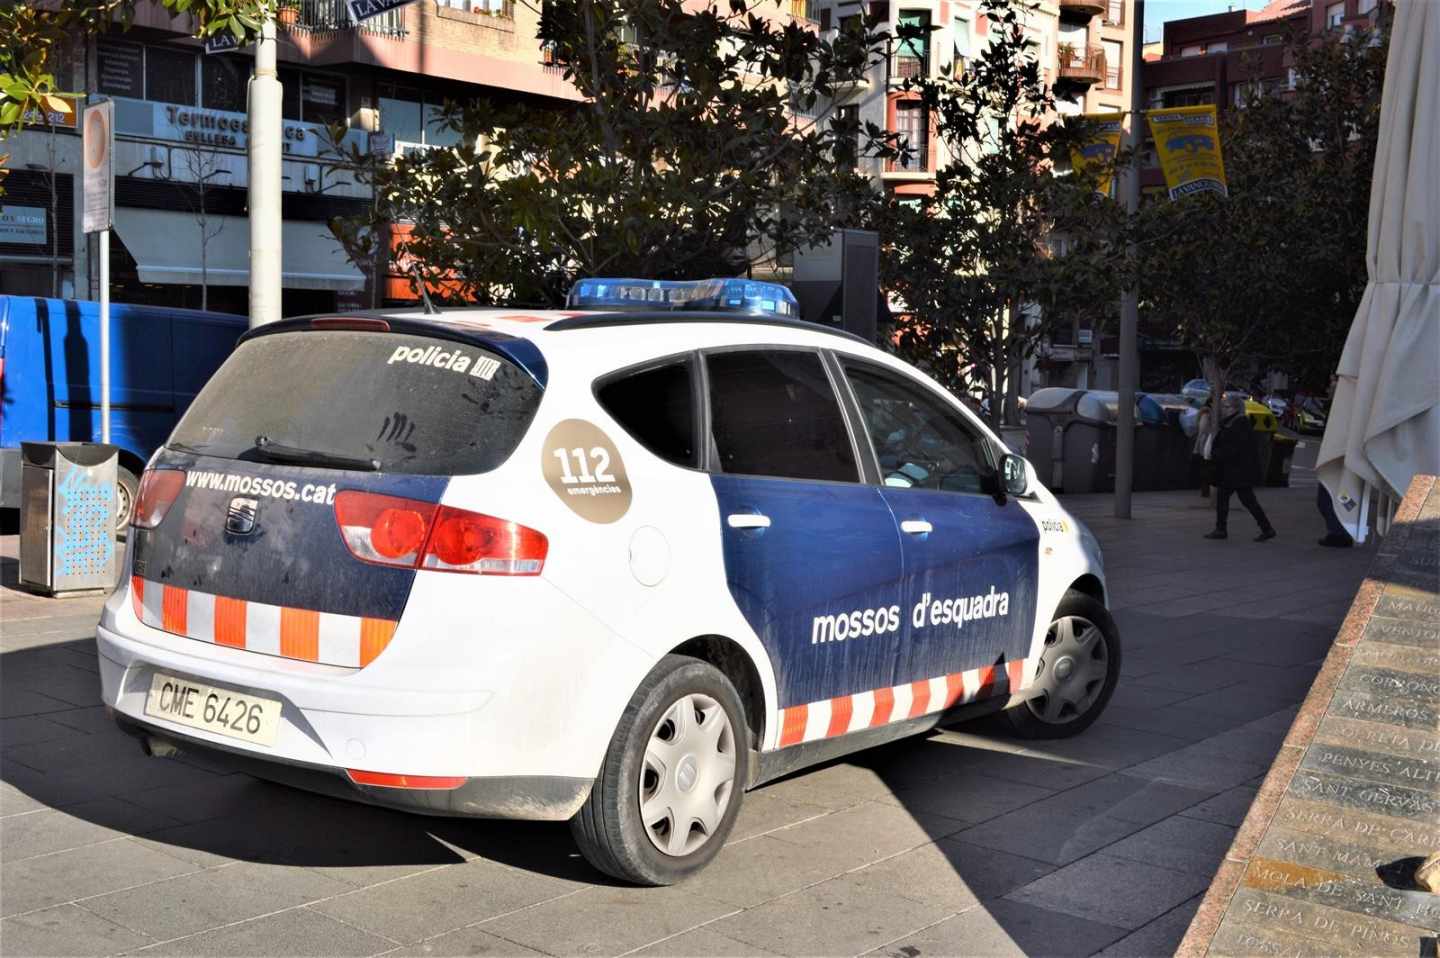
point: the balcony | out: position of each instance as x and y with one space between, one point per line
331 16
1081 9
907 66
1081 66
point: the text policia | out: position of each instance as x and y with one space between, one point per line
863 623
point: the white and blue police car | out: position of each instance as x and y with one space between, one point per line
613 566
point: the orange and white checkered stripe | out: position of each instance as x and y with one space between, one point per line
852 713
349 640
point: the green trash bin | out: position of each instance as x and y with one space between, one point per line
1282 449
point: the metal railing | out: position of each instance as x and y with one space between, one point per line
332 16
1115 12
908 66
918 160
1084 64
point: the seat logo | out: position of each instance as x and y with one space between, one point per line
240 517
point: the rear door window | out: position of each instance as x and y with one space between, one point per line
774 413
384 401
657 407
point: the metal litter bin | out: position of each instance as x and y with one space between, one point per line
1282 450
67 516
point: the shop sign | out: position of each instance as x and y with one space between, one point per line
221 128
55 118
23 224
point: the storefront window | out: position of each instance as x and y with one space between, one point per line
322 99
223 82
436 133
400 112
122 69
170 75
290 94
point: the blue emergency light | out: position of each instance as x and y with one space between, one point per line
715 295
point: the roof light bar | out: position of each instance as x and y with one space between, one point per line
725 295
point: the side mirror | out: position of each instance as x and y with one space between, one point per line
1014 475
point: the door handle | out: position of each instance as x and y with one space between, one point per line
916 527
747 520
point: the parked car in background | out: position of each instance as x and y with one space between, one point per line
1307 414
50 379
1278 404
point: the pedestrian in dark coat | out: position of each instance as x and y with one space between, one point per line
1237 469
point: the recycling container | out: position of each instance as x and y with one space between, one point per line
67 516
1282 450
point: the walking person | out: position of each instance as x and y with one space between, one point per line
1199 463
1237 468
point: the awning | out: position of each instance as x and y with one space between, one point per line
166 247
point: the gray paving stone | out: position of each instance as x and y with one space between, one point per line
764 811
871 830
423 905
1160 937
966 798
91 870
1107 746
296 932
832 786
1177 721
464 942
1198 768
1228 808
1179 843
837 917
66 930
193 903
29 729
950 874
607 920
45 831
1112 890
1006 928
763 868
702 943
1027 769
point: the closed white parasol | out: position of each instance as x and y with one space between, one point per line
1384 424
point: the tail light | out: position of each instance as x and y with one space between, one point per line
159 489
408 534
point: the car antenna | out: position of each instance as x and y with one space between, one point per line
430 309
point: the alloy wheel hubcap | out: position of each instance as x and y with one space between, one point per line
1073 669
687 777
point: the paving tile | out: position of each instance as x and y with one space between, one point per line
608 920
1198 768
1043 837
966 798
702 943
1179 843
298 931
91 870
49 830
833 786
1160 937
464 942
66 930
841 916
442 899
1135 695
872 830
1227 808
763 811
950 874
192 903
1004 927
30 729
1107 746
1176 721
1027 769
25 702
751 872
1088 889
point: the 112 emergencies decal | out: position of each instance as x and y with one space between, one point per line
863 623
583 467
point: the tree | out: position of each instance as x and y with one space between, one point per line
973 262
201 166
702 143
1271 276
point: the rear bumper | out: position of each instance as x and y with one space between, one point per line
534 797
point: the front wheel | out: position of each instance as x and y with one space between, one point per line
1079 666
671 783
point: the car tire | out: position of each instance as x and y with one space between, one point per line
673 708
1083 644
127 487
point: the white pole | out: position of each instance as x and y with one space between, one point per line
105 336
265 180
1129 371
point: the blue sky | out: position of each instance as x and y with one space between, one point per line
1158 11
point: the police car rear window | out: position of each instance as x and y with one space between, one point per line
393 403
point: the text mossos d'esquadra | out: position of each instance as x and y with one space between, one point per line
863 623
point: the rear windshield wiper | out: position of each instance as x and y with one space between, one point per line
268 450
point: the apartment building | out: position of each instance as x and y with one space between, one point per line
181 138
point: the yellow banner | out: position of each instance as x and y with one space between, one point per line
1103 139
1187 139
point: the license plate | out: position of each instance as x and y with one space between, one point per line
251 718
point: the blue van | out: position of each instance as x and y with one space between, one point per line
50 378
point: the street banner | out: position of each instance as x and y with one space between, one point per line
1102 141
362 10
1187 139
98 147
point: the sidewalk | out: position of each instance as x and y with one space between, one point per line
960 842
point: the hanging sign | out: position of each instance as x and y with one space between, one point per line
98 149
1187 139
362 10
1103 140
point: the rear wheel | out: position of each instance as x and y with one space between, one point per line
126 487
671 783
1078 669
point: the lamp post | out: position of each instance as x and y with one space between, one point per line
1129 371
264 152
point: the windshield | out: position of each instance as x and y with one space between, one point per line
335 399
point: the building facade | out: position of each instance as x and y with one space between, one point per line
181 138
